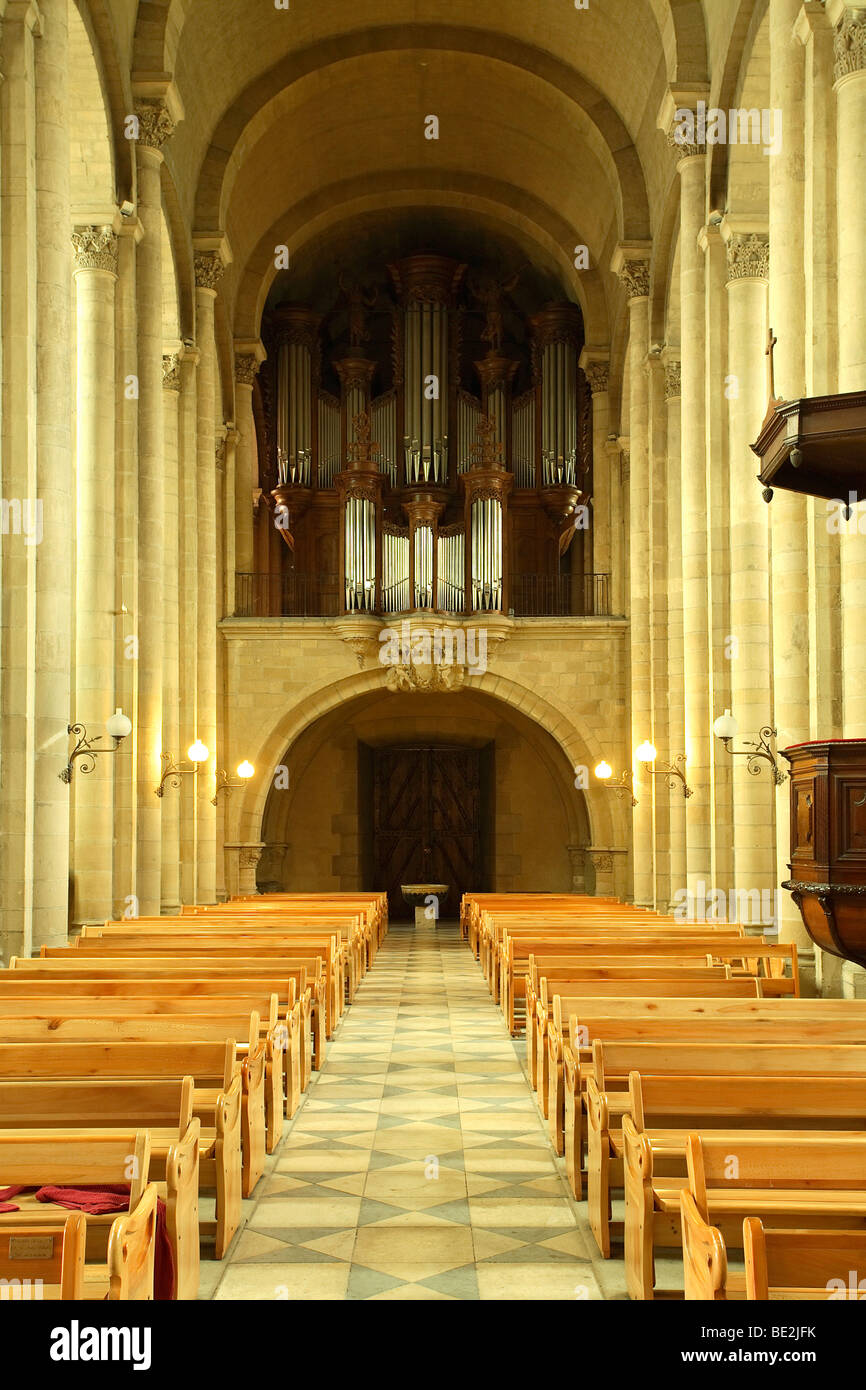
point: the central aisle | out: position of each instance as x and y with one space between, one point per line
417 1166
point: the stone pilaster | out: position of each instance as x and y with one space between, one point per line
659 617
248 360
788 511
95 276
156 126
751 696
694 502
634 274
18 228
126 608
596 368
171 731
52 677
850 87
188 534
209 267
674 596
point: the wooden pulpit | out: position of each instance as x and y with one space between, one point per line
828 843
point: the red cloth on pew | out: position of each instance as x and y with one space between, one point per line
99 1201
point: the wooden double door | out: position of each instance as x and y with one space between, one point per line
428 804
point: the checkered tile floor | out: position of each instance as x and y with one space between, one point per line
418 1166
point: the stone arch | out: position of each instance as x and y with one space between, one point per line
158 30
93 176
99 26
533 222
245 811
744 36
604 126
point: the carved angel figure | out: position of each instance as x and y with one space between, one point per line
359 302
492 296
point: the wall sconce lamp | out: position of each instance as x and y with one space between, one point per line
245 771
647 754
172 771
604 772
117 727
725 728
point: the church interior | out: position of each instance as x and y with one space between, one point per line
433 650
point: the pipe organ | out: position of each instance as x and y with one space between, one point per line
440 470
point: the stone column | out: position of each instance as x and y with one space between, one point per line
634 274
126 567
577 859
248 359
697 666
754 835
596 367
171 731
850 87
209 267
95 250
718 548
788 511
188 533
18 460
666 798
156 127
674 593
52 680
242 861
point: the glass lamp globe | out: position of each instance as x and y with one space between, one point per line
197 752
603 771
725 726
646 753
246 770
118 725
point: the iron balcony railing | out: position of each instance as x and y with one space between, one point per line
560 595
323 596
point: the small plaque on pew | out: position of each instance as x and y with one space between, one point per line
31 1247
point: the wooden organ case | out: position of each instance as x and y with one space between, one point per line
426 458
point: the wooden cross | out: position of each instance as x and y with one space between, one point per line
771 343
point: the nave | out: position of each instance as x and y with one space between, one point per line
421 1079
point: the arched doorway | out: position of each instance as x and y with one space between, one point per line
367 788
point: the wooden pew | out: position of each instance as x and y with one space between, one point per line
564 1066
197 972
544 981
668 1107
124 1244
111 1027
652 1207
771 960
213 1067
166 1110
815 1265
23 993
637 1018
816 1180
43 1262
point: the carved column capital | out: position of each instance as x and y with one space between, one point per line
849 44
209 269
171 371
684 136
748 256
673 379
598 376
95 248
246 368
635 279
156 125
